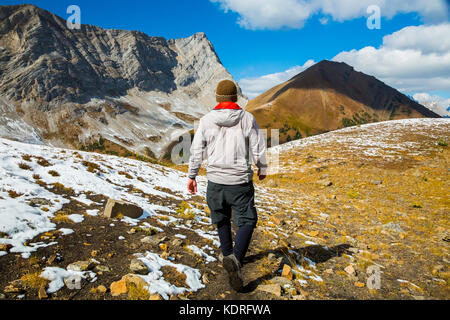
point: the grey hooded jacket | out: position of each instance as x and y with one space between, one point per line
228 140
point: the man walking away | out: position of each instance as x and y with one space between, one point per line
227 137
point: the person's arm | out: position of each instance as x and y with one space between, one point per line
258 149
196 159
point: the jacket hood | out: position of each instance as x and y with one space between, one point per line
226 117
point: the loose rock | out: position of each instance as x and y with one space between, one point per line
274 289
101 289
282 281
136 280
350 270
177 242
81 266
138 267
151 240
287 272
119 287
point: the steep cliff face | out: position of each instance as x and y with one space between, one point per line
73 86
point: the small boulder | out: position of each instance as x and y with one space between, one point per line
138 267
325 183
134 279
290 290
39 202
101 268
5 247
177 242
153 240
282 281
350 270
101 290
287 272
274 289
119 287
81 266
391 226
115 208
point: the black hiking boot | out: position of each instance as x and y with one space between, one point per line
233 267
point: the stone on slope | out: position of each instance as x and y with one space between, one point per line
81 266
134 279
325 183
287 272
138 267
154 240
282 281
350 270
274 289
5 247
116 208
42 293
118 287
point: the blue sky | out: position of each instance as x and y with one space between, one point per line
253 49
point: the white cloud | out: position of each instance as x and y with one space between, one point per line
435 103
414 59
253 87
430 39
276 14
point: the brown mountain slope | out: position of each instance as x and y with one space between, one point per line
329 96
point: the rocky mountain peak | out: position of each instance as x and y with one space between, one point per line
103 82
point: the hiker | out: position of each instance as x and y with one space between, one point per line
227 137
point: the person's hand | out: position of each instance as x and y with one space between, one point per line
261 176
192 186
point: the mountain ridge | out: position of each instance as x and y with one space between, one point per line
74 86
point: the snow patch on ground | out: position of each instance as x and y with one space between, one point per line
202 253
56 276
22 222
156 281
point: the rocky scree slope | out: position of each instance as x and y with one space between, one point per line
373 196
